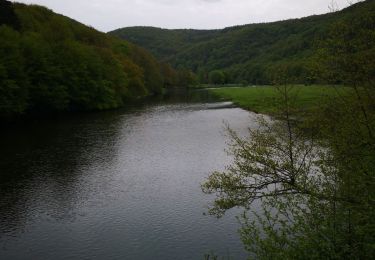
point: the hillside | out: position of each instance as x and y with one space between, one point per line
49 63
249 53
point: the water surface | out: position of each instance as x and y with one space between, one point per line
117 185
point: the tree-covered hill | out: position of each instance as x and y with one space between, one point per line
251 53
49 62
164 43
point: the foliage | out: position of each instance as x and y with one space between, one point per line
309 182
152 72
217 77
313 175
50 63
163 42
13 97
169 74
273 161
7 15
250 52
186 78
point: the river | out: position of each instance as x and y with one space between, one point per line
119 184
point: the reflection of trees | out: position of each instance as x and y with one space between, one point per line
43 166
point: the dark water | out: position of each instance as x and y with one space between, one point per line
117 185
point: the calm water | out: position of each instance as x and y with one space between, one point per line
117 185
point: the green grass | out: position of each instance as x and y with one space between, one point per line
263 99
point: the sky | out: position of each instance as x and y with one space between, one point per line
107 15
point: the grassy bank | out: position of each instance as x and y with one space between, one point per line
263 99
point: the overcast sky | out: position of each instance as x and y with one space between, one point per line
106 15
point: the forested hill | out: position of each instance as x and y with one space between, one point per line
250 53
49 62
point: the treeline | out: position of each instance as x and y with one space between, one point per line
164 43
248 54
51 63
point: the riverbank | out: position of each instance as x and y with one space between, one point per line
263 99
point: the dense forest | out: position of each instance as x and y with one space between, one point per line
249 53
50 63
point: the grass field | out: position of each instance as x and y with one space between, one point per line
263 99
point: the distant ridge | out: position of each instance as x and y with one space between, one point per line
244 52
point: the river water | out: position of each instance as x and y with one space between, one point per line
122 184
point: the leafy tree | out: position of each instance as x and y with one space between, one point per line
50 63
169 74
13 80
217 77
273 161
7 15
311 205
313 175
352 139
186 78
152 73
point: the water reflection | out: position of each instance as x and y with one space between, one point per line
116 185
45 162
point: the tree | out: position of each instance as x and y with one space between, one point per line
347 56
217 77
169 75
152 73
274 160
50 63
314 175
333 6
7 15
13 79
309 207
186 78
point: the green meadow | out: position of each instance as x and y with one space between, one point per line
263 99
